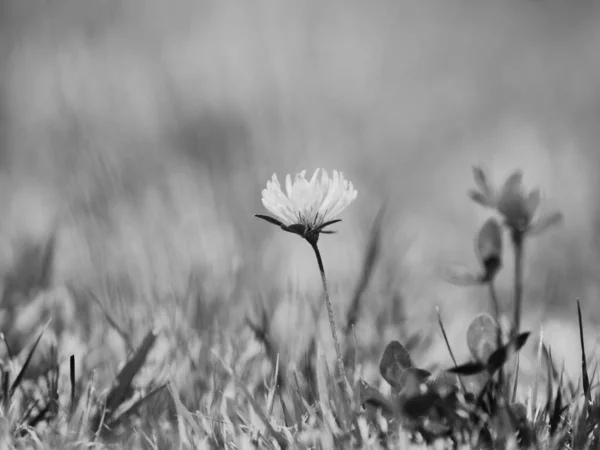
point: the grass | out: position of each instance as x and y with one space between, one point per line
144 307
225 392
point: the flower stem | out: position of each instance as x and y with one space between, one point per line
496 307
340 361
517 240
496 310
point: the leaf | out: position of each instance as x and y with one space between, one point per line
394 361
419 405
446 383
546 222
371 396
519 411
489 248
412 379
460 275
499 357
470 368
481 337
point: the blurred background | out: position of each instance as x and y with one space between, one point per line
142 133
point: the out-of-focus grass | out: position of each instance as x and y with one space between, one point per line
147 130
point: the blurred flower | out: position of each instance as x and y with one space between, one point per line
514 203
307 206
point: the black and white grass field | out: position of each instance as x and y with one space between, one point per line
144 306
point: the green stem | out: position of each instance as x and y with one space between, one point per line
340 361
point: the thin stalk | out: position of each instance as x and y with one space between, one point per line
517 237
517 240
460 380
340 361
496 310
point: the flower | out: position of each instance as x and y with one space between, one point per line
516 205
307 206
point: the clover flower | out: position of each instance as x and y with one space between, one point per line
307 207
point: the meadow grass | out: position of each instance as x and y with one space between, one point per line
179 387
144 307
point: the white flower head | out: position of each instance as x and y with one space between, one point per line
307 206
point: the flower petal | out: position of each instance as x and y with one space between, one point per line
314 178
288 185
308 203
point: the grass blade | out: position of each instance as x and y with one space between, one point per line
72 404
368 266
111 321
136 406
281 440
584 372
557 409
21 373
185 416
516 382
122 386
536 381
5 390
441 323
